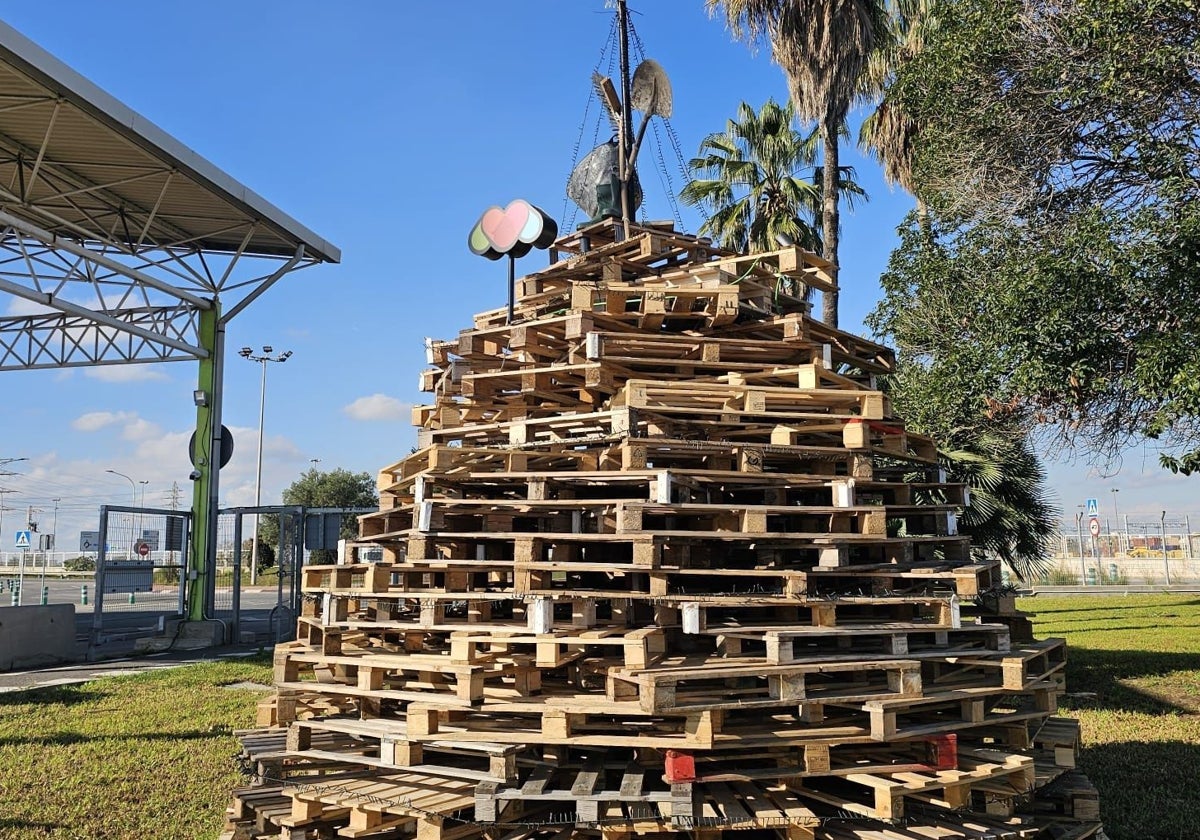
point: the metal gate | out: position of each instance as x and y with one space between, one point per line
265 610
141 562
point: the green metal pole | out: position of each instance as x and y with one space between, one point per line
202 557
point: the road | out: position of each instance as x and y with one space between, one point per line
126 619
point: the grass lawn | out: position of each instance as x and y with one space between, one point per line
152 756
1133 680
147 756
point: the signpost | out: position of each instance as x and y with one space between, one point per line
23 541
1093 512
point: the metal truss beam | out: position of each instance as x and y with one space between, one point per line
58 339
133 274
103 307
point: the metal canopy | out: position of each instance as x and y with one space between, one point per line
115 233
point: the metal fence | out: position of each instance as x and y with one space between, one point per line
140 576
129 578
1158 552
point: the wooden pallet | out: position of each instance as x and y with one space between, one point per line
664 561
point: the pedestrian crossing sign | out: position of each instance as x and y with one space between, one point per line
1093 507
24 539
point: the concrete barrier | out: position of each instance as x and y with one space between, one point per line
33 636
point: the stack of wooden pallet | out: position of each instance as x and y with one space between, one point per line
664 561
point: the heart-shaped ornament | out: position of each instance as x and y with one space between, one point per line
503 227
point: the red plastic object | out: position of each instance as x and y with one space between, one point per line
943 751
681 767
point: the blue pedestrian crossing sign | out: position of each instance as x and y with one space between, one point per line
1093 507
24 539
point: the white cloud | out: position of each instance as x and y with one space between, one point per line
139 428
378 407
94 421
127 373
20 306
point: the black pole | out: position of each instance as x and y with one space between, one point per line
512 284
626 115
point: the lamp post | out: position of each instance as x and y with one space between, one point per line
53 540
1116 522
3 490
4 462
1163 530
133 502
1079 535
268 355
141 505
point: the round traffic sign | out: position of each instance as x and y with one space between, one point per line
1094 527
143 549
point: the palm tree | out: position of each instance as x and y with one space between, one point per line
890 133
823 47
1011 515
758 153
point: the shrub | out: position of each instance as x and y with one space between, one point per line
81 563
1062 577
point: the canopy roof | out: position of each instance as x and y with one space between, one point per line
79 164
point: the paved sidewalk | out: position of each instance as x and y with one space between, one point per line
83 672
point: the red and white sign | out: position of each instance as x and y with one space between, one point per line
144 548
1094 527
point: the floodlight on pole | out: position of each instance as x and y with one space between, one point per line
268 355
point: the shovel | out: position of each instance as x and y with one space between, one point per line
650 93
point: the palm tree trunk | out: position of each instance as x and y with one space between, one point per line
829 214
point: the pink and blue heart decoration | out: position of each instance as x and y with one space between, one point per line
512 231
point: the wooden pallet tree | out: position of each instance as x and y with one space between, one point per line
664 561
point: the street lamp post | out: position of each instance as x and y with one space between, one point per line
268 355
133 502
1079 535
141 528
52 541
4 462
3 490
1116 522
1163 530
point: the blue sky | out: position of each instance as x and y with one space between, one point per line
387 128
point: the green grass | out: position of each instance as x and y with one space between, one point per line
1133 680
126 757
153 755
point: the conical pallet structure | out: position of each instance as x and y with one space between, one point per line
664 561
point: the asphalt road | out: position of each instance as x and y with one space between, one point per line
125 620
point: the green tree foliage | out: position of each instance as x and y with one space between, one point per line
266 552
1010 515
315 488
1057 280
